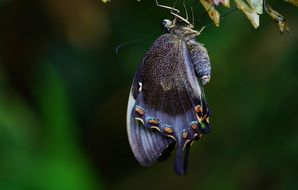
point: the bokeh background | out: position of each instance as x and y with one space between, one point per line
64 91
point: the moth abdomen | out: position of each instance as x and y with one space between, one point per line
201 61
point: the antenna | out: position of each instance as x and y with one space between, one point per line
202 15
192 16
131 42
205 12
185 9
223 16
167 7
172 11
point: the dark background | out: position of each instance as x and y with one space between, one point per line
64 91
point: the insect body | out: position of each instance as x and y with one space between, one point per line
167 105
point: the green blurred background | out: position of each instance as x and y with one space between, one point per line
63 97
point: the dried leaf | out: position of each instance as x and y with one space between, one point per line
277 17
294 2
256 5
249 12
213 13
225 3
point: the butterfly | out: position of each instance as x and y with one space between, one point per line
167 106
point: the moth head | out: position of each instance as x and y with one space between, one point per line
166 24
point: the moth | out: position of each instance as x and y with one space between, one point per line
167 107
